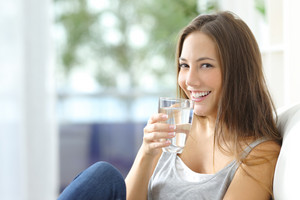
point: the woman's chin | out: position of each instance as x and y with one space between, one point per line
199 113
205 113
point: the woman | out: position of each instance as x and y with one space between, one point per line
219 67
233 145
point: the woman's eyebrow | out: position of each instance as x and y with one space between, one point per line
198 60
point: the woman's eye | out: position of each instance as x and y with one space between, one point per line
206 65
183 66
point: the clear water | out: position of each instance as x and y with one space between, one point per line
182 118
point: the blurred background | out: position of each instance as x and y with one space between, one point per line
79 79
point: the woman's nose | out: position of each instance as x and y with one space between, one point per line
192 78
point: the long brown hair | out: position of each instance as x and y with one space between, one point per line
246 110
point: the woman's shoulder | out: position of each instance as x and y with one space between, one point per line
254 177
266 148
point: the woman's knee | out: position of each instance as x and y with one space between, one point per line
99 180
108 180
104 169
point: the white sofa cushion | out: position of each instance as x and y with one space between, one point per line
287 172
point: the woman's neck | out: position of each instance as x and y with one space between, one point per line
203 127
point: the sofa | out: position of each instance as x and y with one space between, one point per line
287 172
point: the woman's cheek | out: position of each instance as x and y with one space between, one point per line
181 81
182 84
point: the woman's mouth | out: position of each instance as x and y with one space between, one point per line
197 96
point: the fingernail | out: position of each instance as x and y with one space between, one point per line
171 133
172 127
165 116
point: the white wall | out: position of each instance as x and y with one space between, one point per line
291 41
281 57
28 137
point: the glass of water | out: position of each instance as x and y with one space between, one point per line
180 114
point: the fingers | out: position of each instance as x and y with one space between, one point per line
159 145
155 129
157 133
157 118
159 127
158 136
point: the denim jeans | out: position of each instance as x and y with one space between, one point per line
100 181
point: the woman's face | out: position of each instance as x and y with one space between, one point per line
200 73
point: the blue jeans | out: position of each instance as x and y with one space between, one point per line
100 181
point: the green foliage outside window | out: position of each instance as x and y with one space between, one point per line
261 7
107 39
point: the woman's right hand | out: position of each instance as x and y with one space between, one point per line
156 134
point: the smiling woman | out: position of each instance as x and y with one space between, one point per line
239 114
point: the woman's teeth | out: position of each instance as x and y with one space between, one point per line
200 94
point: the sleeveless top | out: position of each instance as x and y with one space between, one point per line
167 182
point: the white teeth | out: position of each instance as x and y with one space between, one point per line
200 94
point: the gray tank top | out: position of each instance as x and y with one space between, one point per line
166 183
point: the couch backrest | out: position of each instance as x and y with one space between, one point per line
287 173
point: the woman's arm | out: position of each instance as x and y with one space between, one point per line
255 180
139 176
155 135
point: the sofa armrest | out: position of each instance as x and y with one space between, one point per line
287 172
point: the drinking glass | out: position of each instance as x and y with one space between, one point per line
180 114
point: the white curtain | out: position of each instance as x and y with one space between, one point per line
28 137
